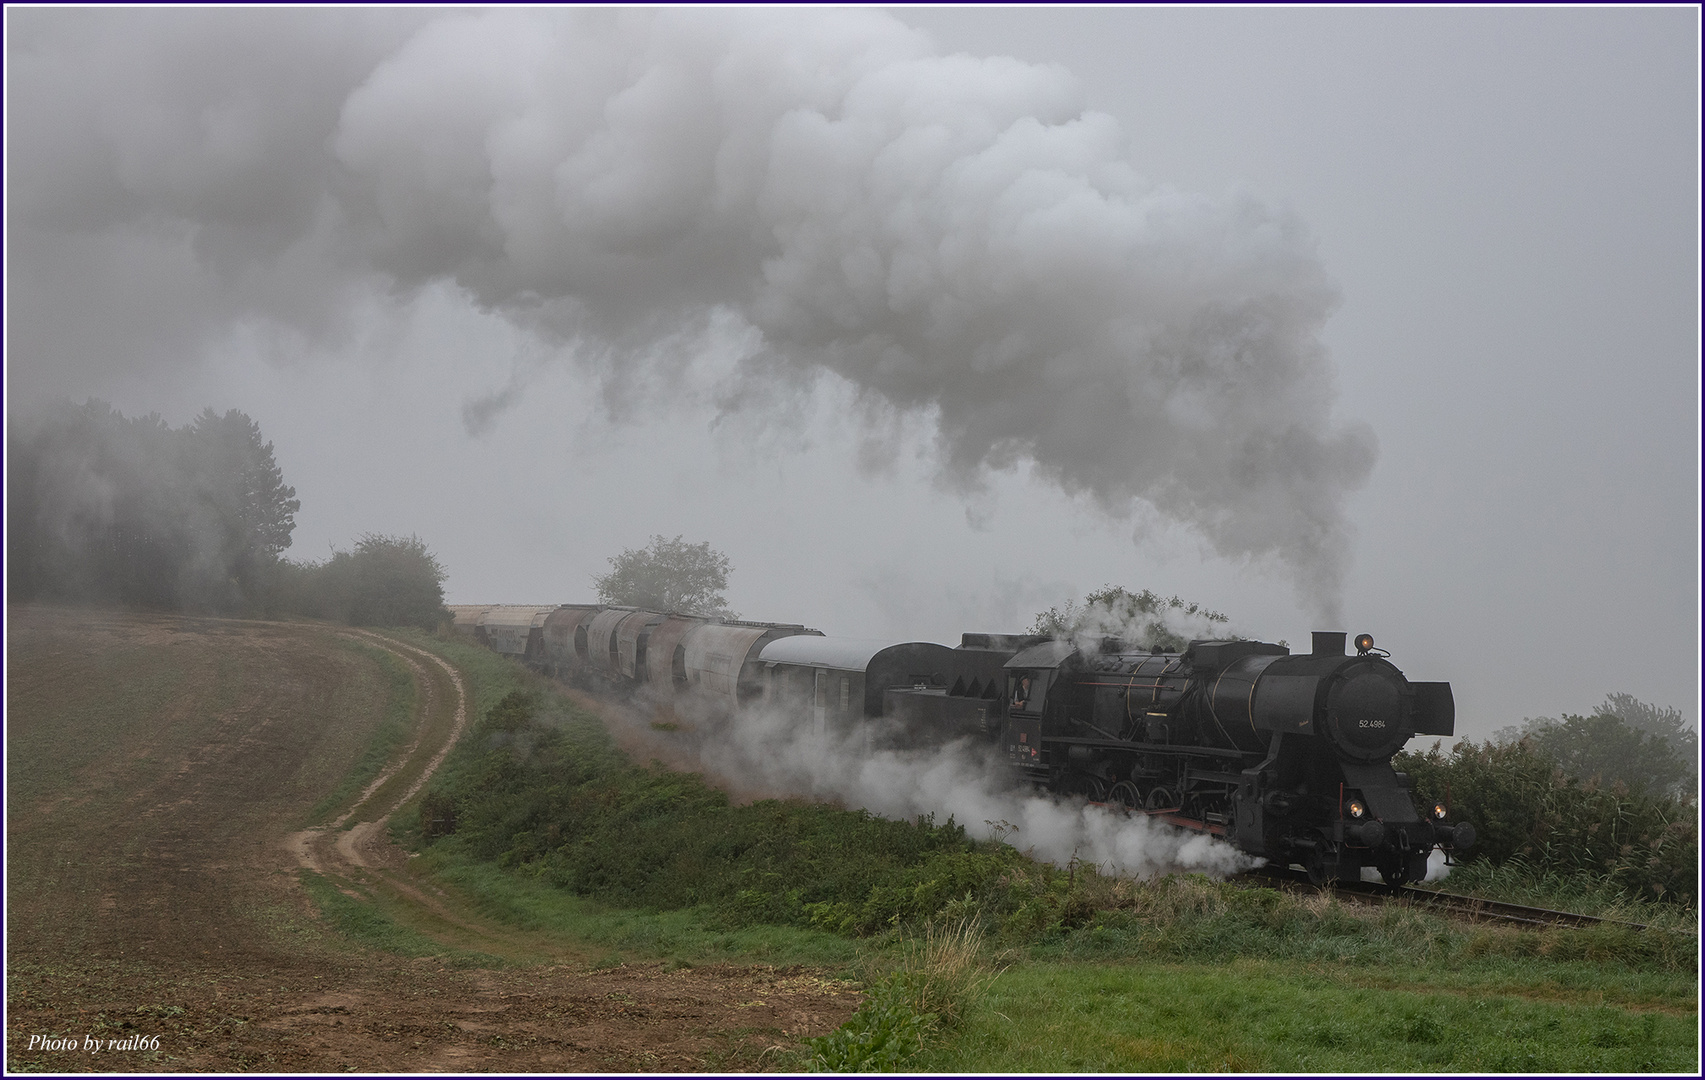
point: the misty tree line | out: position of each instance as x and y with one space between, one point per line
108 509
1612 794
1590 796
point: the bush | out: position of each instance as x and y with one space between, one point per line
105 508
548 793
881 1036
1522 804
1649 749
385 581
935 986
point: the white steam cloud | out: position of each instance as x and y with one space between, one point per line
956 238
770 753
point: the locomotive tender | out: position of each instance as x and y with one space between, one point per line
1286 756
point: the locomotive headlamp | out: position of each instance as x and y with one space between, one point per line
1439 811
1364 642
1357 810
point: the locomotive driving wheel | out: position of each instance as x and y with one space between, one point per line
1088 785
1126 794
1160 799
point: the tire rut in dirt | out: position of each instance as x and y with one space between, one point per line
150 893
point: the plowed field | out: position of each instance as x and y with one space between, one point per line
163 780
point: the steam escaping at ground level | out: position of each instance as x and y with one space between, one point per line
769 753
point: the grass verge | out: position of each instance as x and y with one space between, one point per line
615 934
1518 881
362 920
938 981
1256 1015
402 698
554 832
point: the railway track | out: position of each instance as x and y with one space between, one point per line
1467 907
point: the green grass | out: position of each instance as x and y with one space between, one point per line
1267 1017
390 736
1518 881
538 786
1193 918
689 935
559 835
361 919
487 676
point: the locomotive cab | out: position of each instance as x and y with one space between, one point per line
1030 676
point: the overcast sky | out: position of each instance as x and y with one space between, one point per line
1385 319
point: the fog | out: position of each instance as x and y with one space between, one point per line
1379 321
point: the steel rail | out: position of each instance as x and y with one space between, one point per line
1470 907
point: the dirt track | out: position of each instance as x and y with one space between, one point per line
160 770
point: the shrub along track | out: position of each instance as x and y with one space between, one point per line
1469 908
159 771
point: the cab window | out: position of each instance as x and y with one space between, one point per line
1025 690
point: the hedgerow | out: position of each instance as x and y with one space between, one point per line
1526 810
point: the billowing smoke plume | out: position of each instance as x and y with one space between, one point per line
770 753
957 239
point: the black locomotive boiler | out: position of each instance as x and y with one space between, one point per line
1286 756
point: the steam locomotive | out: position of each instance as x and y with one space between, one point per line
1286 756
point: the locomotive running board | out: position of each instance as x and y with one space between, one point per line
1171 816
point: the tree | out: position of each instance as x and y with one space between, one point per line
670 575
1140 619
236 474
1525 809
385 581
94 507
1607 748
105 508
241 512
1666 724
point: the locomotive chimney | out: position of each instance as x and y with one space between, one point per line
1329 642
